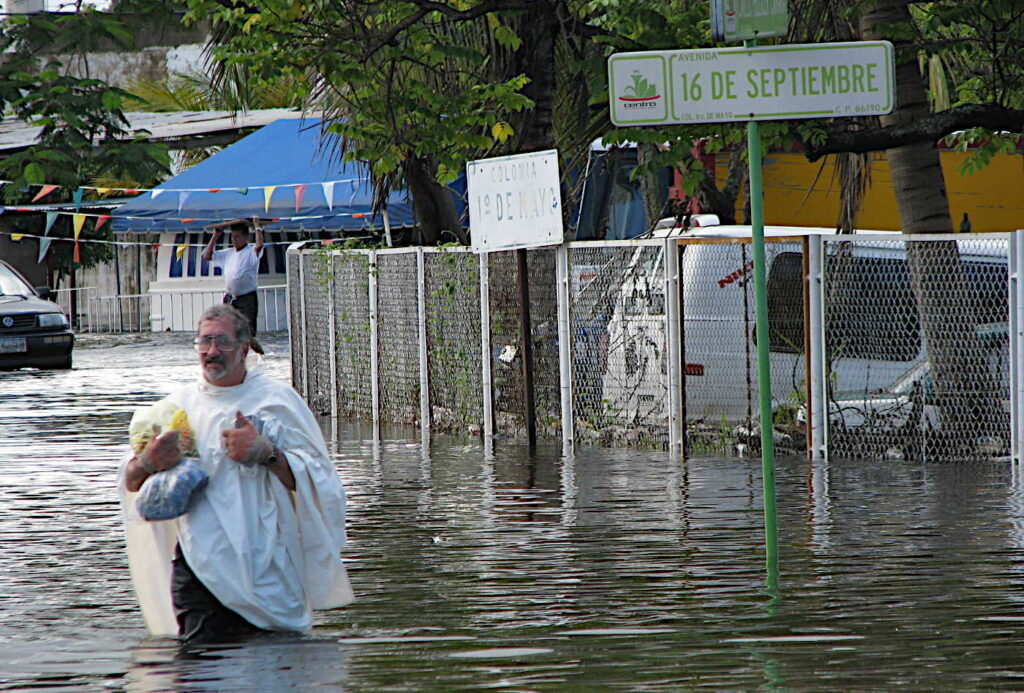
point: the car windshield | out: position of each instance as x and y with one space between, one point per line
13 285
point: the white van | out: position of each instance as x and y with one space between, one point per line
876 353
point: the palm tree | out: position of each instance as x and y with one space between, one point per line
937 275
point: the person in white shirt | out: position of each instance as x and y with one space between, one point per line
241 265
259 547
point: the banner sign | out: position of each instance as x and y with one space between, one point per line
721 85
514 201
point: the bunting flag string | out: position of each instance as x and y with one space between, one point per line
183 220
45 189
45 241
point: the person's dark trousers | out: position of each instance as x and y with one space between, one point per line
200 615
249 306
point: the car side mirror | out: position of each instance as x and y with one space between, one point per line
43 292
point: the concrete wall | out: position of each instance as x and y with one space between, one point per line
121 68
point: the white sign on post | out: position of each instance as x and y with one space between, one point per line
721 85
514 201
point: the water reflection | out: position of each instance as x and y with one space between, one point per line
477 568
269 664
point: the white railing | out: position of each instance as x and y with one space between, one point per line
174 311
81 298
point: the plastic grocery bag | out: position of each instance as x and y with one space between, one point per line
168 494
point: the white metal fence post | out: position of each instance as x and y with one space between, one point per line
1015 250
485 350
421 284
818 367
562 290
303 290
374 346
332 326
673 334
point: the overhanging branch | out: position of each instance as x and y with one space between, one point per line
930 129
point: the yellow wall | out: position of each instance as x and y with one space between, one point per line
993 197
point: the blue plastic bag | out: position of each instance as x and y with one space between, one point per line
168 494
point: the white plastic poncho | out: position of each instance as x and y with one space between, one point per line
265 552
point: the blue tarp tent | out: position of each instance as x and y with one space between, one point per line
281 171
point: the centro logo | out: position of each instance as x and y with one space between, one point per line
640 94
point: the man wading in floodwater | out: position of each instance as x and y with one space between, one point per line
259 546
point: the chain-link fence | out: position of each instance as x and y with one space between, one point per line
398 336
618 328
917 336
452 281
350 290
891 346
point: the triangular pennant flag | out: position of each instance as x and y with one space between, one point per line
102 191
213 190
44 247
17 236
78 221
43 192
244 191
300 190
268 192
329 194
182 197
154 193
50 218
77 197
180 250
101 220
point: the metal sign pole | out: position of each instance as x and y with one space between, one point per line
771 535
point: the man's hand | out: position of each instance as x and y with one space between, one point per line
161 452
245 445
241 441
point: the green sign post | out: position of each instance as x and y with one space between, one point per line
754 83
743 20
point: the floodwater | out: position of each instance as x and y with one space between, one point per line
612 570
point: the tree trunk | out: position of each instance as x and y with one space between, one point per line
650 192
432 202
536 59
965 391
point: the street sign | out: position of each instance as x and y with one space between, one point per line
739 20
515 201
720 85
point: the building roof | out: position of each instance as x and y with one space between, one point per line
286 172
187 125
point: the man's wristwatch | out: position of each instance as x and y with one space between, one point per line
272 458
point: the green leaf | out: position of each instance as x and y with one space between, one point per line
34 174
111 100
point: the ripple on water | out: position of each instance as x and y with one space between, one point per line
612 570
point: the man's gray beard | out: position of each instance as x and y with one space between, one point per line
215 369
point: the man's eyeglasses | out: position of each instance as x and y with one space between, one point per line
223 342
